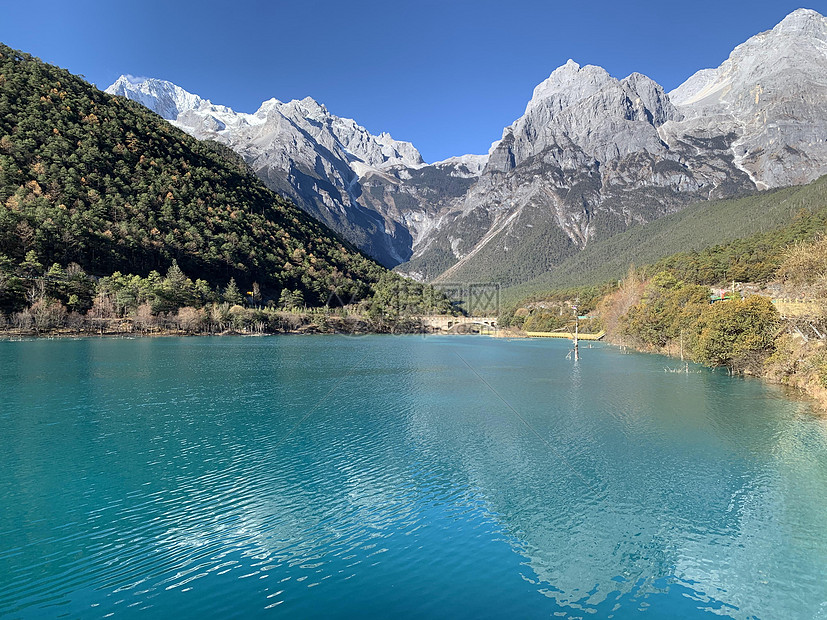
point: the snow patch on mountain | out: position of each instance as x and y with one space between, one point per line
591 153
474 164
199 116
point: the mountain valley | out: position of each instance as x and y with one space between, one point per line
591 156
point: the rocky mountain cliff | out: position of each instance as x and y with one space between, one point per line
591 155
586 160
302 151
772 93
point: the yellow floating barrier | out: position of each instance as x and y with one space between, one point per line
570 335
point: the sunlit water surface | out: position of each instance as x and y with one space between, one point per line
460 477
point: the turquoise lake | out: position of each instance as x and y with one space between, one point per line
406 477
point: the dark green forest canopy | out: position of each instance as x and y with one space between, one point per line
100 181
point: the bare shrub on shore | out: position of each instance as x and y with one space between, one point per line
143 320
103 308
805 266
220 316
191 320
290 320
22 320
75 321
613 307
48 314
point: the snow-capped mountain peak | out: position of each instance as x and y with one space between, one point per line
591 154
797 44
772 93
202 118
162 97
183 108
268 106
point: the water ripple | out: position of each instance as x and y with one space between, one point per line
232 476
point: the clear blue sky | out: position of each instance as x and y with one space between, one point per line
447 75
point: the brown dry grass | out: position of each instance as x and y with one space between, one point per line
614 306
805 266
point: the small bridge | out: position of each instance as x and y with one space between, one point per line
441 323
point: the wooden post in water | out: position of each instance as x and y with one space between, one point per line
576 333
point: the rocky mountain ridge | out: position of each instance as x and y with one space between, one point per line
771 92
298 149
591 155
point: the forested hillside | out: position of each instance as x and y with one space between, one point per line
99 184
719 238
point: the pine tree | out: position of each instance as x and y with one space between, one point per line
285 299
231 293
31 266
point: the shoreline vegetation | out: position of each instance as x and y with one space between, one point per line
746 336
69 302
220 321
775 329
